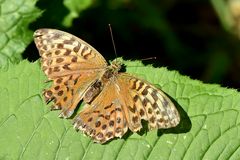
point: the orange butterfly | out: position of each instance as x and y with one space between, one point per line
114 101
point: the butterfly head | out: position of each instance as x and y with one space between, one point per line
116 64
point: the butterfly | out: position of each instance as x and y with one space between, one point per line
114 101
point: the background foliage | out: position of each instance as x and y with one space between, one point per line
198 38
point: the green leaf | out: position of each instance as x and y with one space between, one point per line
15 17
209 127
75 7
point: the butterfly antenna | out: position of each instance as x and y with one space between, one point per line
149 58
114 47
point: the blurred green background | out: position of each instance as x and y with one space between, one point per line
199 38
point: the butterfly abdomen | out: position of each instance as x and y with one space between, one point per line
93 91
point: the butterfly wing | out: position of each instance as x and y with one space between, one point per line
71 63
122 104
147 103
65 54
104 118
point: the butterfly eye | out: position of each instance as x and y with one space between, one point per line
116 64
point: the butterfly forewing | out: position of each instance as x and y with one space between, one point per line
151 103
64 54
114 101
71 63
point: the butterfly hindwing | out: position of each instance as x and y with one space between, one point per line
104 118
67 91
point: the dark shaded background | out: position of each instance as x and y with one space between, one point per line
185 35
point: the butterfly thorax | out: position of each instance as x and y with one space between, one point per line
108 76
